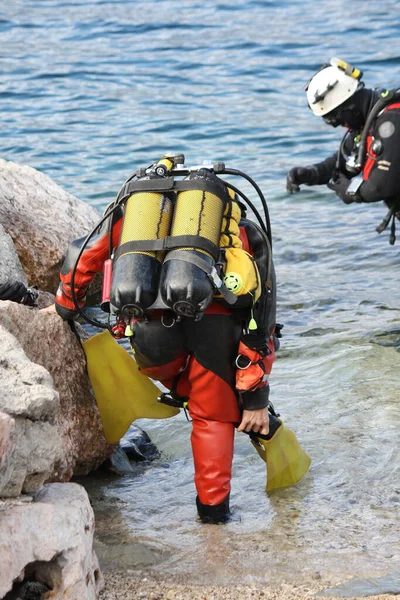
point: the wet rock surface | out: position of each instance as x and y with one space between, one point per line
137 445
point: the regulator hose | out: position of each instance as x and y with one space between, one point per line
262 198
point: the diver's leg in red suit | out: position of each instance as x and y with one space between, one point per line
214 411
212 446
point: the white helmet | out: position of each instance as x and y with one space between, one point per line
331 86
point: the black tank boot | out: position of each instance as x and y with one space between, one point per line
217 513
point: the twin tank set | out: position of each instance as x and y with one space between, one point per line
169 242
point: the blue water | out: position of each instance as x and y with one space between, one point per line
90 91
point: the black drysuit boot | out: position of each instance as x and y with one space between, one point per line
214 514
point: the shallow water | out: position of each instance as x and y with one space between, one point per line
93 89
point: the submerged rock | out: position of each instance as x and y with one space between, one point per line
361 588
119 463
137 445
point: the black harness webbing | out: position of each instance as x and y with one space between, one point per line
169 243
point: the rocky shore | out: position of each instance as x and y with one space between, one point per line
50 429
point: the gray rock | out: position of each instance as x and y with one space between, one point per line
41 219
137 445
119 463
57 361
51 542
28 396
26 388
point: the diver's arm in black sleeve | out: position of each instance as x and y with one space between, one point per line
324 170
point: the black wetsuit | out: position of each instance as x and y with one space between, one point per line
381 170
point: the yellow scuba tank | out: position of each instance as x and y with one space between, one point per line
136 272
188 274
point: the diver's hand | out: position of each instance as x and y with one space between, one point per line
255 420
339 186
299 175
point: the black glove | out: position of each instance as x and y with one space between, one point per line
299 175
16 291
339 185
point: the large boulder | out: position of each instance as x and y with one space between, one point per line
47 543
42 219
48 341
30 444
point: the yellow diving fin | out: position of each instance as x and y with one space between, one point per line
122 393
287 463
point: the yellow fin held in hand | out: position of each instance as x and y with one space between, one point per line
122 393
287 463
